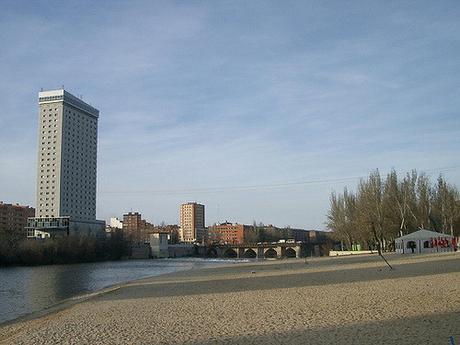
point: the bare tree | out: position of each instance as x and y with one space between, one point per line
371 208
395 204
381 210
337 220
423 203
452 208
440 200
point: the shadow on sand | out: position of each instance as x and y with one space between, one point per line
399 331
157 288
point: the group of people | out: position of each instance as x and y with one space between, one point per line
443 243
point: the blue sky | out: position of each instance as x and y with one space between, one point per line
201 99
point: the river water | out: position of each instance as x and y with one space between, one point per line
24 290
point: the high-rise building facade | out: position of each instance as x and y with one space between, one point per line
192 223
67 165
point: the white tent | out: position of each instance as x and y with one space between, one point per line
424 241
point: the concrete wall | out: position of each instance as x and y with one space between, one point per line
181 250
159 245
94 228
141 251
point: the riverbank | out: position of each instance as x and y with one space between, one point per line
26 290
327 300
61 250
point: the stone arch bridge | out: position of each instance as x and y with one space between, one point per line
256 251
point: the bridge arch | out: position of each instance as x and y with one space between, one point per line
230 253
212 253
270 253
290 253
250 253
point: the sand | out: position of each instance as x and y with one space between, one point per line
346 300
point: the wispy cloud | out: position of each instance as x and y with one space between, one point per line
196 95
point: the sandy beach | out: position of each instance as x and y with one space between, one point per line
346 300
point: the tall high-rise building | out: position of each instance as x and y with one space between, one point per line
192 223
67 166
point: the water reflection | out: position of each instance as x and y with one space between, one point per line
29 289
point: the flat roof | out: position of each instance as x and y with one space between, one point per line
61 95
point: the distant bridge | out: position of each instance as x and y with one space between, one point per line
256 251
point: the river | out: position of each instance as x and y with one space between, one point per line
24 290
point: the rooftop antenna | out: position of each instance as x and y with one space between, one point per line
41 89
62 86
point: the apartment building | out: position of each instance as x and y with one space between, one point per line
135 228
13 220
67 167
228 233
192 223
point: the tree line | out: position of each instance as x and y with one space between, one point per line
384 208
61 250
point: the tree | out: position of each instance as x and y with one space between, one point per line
395 204
383 209
423 202
371 209
440 201
342 217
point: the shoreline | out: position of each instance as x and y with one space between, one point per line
252 283
68 302
62 305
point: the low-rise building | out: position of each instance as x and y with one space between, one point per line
228 233
135 228
171 229
116 223
159 245
13 219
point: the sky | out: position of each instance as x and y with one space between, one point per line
257 109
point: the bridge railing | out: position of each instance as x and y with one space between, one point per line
261 245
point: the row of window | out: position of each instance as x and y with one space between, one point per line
47 181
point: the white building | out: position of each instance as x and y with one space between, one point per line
159 245
424 241
116 223
67 166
